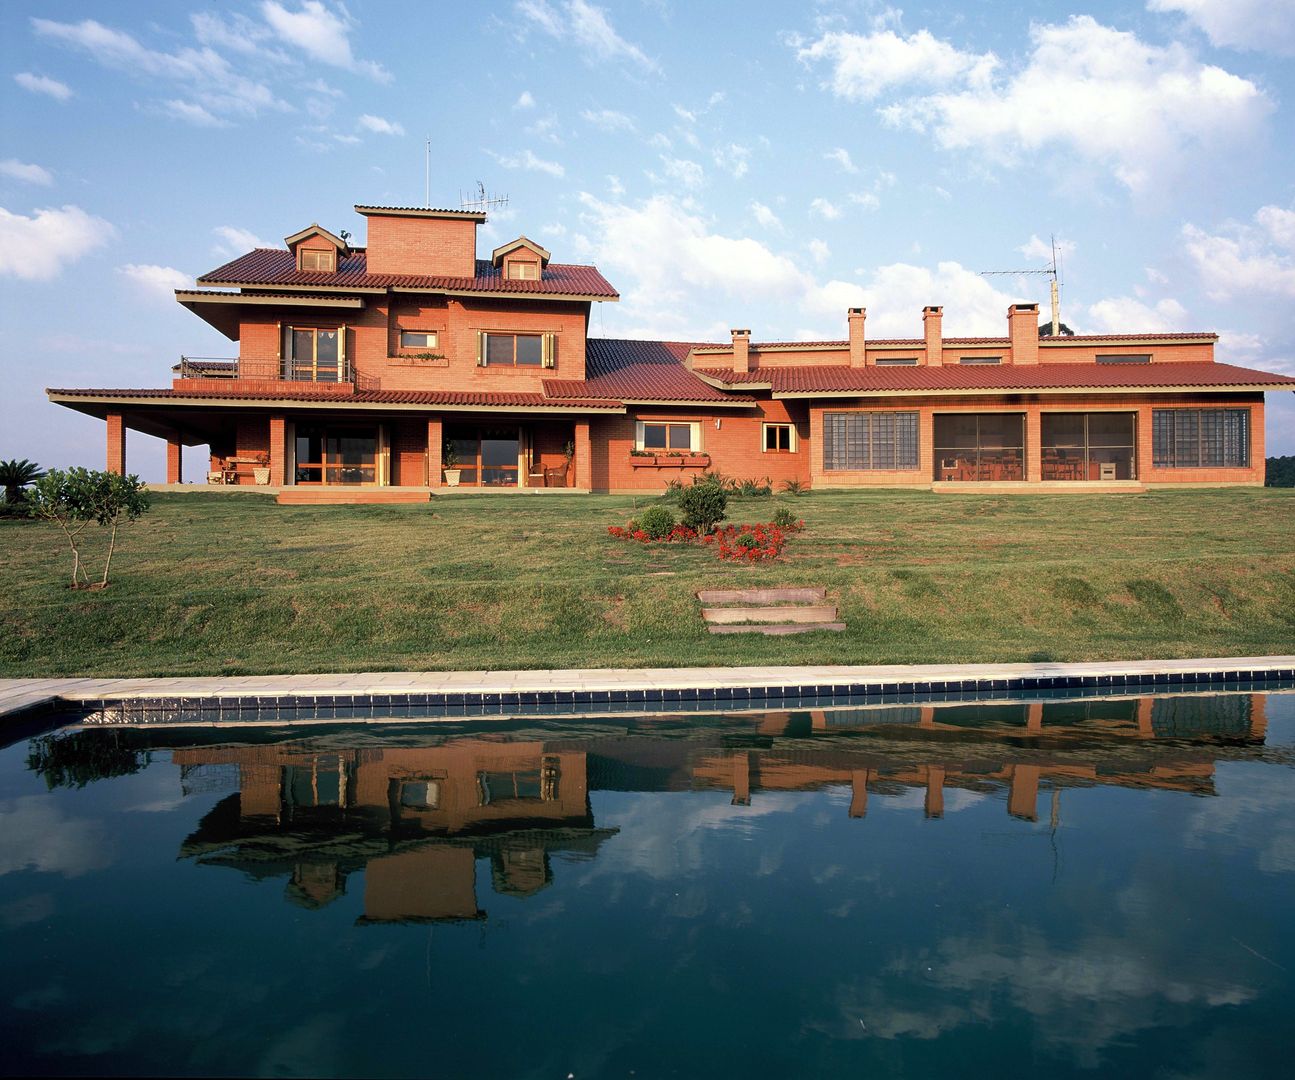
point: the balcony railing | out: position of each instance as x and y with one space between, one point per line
271 370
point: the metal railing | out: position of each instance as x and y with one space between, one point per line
271 370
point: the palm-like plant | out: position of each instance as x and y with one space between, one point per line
16 475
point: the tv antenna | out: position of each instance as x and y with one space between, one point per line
481 200
1052 272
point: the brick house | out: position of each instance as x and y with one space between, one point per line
369 365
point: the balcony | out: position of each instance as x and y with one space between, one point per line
193 371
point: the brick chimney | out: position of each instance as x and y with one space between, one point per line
1023 329
741 350
932 323
858 354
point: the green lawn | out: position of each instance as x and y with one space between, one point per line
233 583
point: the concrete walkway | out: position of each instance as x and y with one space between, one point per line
636 684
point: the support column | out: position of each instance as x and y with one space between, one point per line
278 450
174 461
584 461
1033 445
435 448
116 444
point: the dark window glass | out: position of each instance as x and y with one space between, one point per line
529 351
777 437
499 348
1125 358
1200 438
861 440
654 436
901 361
979 359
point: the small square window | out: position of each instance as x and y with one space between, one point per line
778 439
524 270
317 261
418 339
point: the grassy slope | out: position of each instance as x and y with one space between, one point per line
212 583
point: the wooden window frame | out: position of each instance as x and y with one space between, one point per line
514 265
316 253
694 436
289 363
548 348
791 446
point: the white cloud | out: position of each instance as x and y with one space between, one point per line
608 120
1129 315
546 128
37 248
1262 25
765 216
525 100
236 241
819 251
895 294
156 282
685 115
733 158
41 84
866 199
27 173
219 89
1246 259
35 834
240 34
614 186
682 171
585 27
322 34
191 113
842 157
529 160
380 126
1105 95
866 65
828 211
1036 248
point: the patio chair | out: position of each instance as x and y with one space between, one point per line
556 475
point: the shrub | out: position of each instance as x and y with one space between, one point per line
794 487
703 505
784 518
754 488
656 521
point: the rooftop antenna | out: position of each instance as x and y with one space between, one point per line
1053 272
481 200
427 174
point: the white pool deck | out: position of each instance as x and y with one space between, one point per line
17 695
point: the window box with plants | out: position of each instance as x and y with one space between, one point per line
677 459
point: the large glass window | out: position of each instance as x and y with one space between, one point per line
1200 438
663 437
336 455
1088 446
486 456
869 440
514 350
314 354
980 446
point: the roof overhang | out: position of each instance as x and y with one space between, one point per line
413 211
719 384
693 403
1089 341
1018 391
221 309
491 294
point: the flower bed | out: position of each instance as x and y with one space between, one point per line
738 543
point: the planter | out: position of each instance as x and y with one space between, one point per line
669 461
261 475
452 477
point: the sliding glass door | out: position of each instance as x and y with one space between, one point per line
487 457
336 455
1089 446
980 446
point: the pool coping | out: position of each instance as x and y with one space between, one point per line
514 689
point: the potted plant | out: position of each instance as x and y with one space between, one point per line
450 462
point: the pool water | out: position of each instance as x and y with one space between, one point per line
1095 887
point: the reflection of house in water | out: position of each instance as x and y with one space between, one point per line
416 819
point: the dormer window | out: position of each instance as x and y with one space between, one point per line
523 270
520 260
324 262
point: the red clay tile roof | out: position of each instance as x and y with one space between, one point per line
273 266
919 343
309 392
626 369
805 379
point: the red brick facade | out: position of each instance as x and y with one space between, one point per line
503 367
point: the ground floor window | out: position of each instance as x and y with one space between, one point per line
336 455
1200 438
779 438
663 436
487 457
869 440
980 446
1088 446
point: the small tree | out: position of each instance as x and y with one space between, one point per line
16 475
704 503
75 499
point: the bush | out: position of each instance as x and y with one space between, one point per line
703 505
794 487
78 498
656 521
1280 472
753 488
784 518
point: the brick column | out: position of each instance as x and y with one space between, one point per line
278 450
174 462
435 448
116 444
1033 444
584 461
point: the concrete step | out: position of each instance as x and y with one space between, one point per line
292 496
761 596
776 629
809 613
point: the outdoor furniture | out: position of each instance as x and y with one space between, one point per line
537 475
556 475
216 476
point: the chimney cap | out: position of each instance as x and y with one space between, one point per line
1024 307
858 311
741 333
932 309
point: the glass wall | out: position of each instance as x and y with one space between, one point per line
1200 438
869 440
336 455
980 446
487 457
1089 446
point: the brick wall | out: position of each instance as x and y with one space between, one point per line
417 245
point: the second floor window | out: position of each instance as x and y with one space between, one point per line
315 354
418 339
318 261
516 350
523 270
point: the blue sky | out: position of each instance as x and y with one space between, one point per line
761 165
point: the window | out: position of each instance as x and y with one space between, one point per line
979 446
980 359
898 361
523 270
315 354
1124 358
516 350
663 436
779 438
1200 438
1088 446
418 339
862 440
317 260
